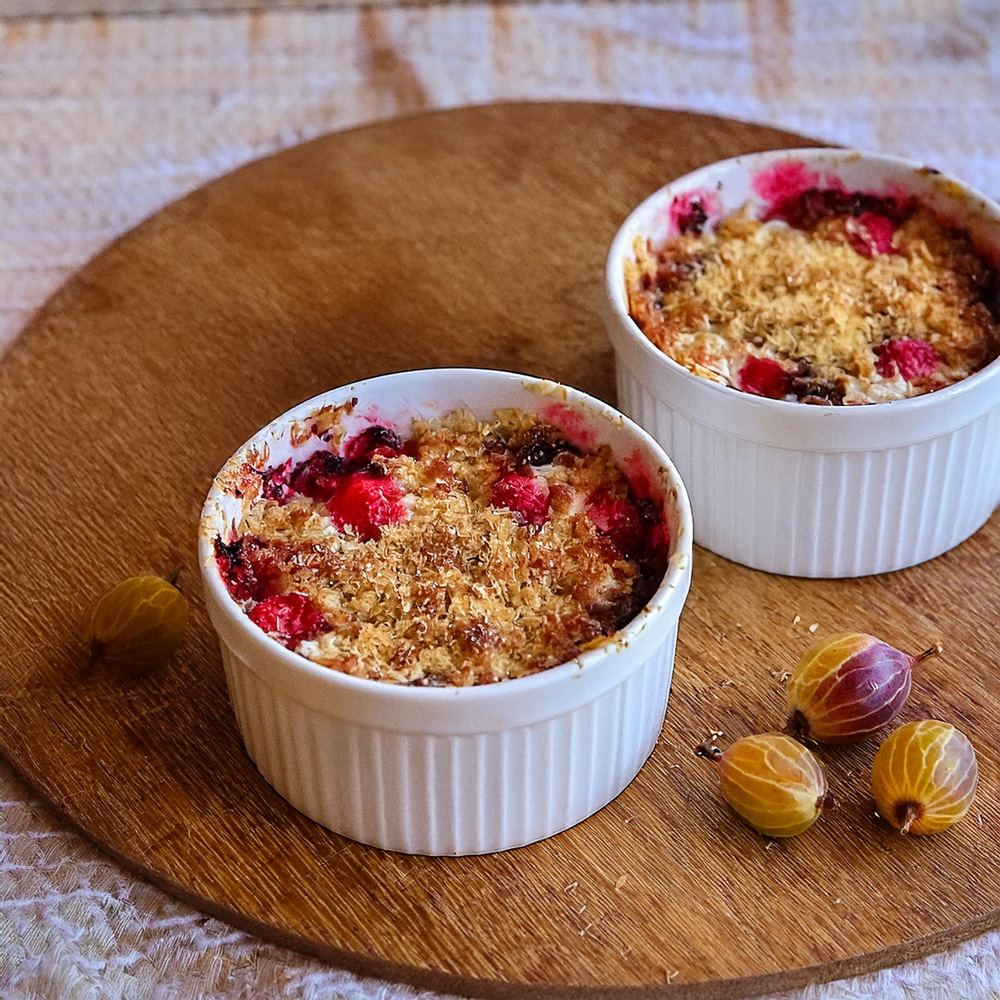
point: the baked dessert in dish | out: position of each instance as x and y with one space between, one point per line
826 296
826 490
433 759
463 552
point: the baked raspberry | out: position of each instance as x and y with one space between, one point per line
366 502
871 234
374 440
656 550
619 519
317 477
246 570
524 494
804 209
290 618
690 211
540 446
274 482
910 358
764 377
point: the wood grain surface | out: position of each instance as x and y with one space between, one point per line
473 237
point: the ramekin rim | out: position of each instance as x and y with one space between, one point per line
631 329
672 590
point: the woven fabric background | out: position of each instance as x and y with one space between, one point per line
102 121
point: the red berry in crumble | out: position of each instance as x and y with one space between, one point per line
764 377
910 359
524 494
366 502
372 441
290 618
467 553
831 297
247 570
619 519
870 234
318 477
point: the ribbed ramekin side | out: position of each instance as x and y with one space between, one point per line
453 794
825 514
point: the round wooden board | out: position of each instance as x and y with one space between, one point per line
472 237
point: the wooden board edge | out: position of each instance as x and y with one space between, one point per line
742 988
38 316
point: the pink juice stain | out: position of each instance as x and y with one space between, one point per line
783 181
372 414
644 484
691 211
572 423
640 477
619 519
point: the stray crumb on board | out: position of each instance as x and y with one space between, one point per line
814 626
621 881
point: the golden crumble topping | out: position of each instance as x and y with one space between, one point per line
861 300
470 553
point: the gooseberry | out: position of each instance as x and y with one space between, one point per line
924 777
772 781
849 686
137 625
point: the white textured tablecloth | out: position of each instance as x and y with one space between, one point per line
102 121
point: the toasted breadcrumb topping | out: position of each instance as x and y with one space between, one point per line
842 305
496 550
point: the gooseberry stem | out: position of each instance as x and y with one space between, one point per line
172 580
797 726
935 650
909 813
709 753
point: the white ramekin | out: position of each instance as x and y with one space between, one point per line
804 490
455 770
